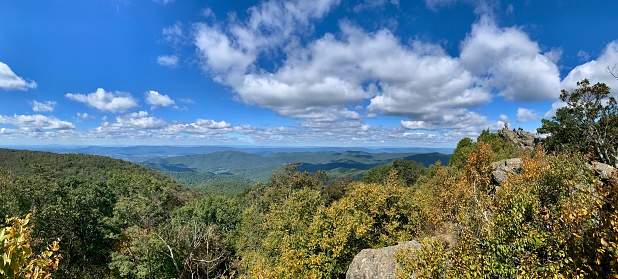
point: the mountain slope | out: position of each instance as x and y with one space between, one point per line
253 167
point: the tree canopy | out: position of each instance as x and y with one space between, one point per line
588 123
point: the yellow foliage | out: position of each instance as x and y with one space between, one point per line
18 259
552 220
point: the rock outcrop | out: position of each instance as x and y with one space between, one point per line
520 138
604 171
500 170
378 263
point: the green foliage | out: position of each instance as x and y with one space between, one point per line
588 123
502 148
407 172
378 174
464 146
221 172
88 202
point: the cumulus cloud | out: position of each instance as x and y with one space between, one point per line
221 56
102 100
167 60
462 123
525 115
512 62
554 107
47 106
228 52
200 126
321 81
554 55
595 70
36 121
139 120
358 66
158 100
10 81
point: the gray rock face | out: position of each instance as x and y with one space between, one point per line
604 171
520 138
502 169
378 263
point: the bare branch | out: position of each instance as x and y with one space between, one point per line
611 71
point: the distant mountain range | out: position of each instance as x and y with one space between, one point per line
258 167
144 152
231 169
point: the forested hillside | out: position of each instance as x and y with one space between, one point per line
90 204
232 171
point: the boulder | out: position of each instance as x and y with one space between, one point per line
519 138
604 171
500 170
378 263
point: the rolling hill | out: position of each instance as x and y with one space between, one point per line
251 168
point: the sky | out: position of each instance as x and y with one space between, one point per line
292 73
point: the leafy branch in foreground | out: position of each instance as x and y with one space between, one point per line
18 259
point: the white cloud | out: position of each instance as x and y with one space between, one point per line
139 120
512 62
36 122
47 106
102 100
85 116
455 124
167 60
221 56
174 34
525 115
334 72
554 55
158 100
200 126
228 52
595 70
554 107
10 81
322 81
583 55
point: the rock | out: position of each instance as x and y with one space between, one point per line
520 138
604 171
378 263
502 169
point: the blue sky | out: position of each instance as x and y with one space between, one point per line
292 73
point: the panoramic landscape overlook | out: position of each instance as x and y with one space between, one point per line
308 139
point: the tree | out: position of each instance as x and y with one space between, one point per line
407 171
458 159
588 123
